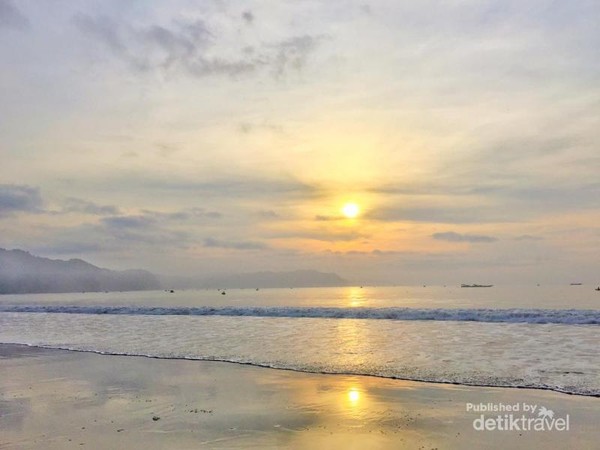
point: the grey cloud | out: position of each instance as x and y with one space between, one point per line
225 186
235 186
510 151
498 202
515 188
390 252
375 252
441 214
87 207
422 189
113 236
322 218
248 17
325 236
267 214
11 17
366 9
166 150
248 127
528 237
548 198
235 245
333 237
507 178
146 229
15 198
128 222
182 215
69 248
188 48
104 29
293 53
140 229
157 237
202 213
516 201
452 236
210 214
219 66
159 48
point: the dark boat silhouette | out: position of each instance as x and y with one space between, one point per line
475 285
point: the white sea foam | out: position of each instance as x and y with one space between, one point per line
534 316
541 337
551 356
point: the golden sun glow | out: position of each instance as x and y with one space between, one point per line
350 210
353 395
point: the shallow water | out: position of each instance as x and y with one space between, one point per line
438 334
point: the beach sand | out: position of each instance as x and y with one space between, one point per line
55 399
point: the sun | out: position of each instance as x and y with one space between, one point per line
350 210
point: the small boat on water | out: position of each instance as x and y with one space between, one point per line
597 289
475 285
576 284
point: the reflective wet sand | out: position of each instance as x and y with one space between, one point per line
53 399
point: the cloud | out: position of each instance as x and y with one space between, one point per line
557 198
502 202
323 218
15 198
155 47
441 214
248 17
231 186
375 252
235 245
528 237
69 248
184 214
249 127
293 53
325 236
117 234
267 214
144 229
451 236
192 48
87 207
128 222
11 17
148 218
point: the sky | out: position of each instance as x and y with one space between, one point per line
205 137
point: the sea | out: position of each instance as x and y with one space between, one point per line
544 337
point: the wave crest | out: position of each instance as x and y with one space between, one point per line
534 316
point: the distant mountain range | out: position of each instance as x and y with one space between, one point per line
21 272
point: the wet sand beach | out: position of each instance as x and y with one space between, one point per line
55 399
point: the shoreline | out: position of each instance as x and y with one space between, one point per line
51 398
262 366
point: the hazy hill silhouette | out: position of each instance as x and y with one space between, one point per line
22 272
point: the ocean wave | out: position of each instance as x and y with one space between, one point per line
533 316
455 379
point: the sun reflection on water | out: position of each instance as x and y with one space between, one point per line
356 297
353 396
